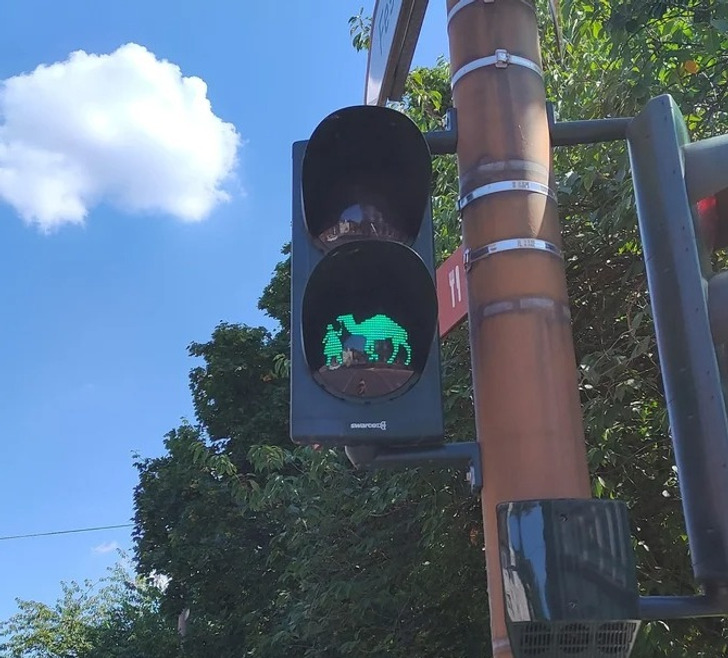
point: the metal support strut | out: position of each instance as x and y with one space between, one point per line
563 133
459 454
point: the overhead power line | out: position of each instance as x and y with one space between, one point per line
67 532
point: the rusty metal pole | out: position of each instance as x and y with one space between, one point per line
527 406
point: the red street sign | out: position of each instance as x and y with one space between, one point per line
452 292
396 27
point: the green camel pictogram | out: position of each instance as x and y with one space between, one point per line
378 327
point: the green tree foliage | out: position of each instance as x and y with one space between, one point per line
116 618
360 28
278 550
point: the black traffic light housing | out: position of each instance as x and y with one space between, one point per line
365 366
672 177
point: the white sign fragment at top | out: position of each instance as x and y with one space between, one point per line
396 27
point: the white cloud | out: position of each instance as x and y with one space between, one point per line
106 547
124 128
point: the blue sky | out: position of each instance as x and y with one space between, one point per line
123 240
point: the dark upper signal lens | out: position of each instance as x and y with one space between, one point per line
359 188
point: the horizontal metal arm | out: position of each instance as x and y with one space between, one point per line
463 454
593 131
712 604
563 133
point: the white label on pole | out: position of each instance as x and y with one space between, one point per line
456 295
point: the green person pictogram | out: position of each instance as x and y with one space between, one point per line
378 327
333 348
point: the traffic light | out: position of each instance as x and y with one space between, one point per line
365 366
681 190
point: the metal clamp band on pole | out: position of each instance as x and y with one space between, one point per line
526 304
514 244
505 186
461 5
500 59
464 3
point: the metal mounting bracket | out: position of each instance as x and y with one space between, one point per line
450 454
444 142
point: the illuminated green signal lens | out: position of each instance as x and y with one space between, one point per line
369 319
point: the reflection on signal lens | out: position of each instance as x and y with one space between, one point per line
361 222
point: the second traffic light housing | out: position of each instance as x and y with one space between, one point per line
365 366
672 178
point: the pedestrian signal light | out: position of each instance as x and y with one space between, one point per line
364 349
